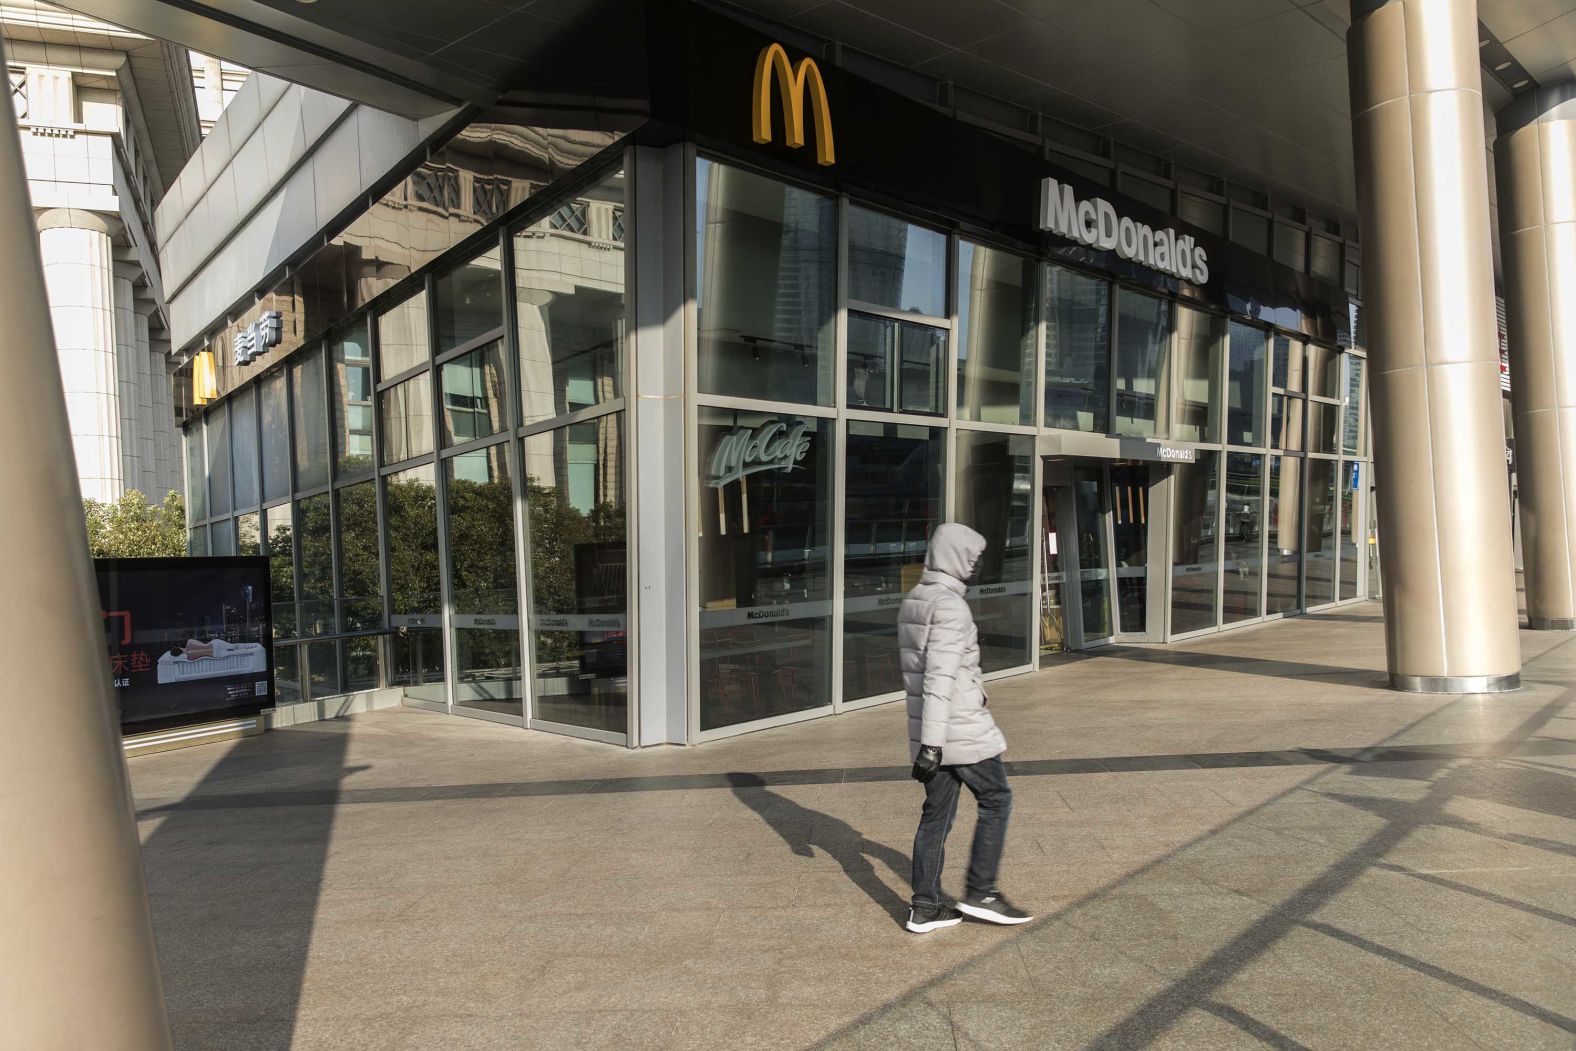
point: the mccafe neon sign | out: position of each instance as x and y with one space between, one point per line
1095 223
773 446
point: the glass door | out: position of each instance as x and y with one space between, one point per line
1053 575
1130 544
1090 501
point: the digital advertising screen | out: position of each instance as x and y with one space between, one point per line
188 639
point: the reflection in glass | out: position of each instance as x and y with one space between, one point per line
994 490
765 565
415 599
322 659
482 576
579 575
279 529
315 544
1244 515
360 594
276 438
1195 547
1321 533
363 663
896 365
1286 412
1245 386
1284 562
197 541
1197 414
766 286
468 301
569 305
1077 350
196 474
1351 419
473 394
221 537
243 439
248 534
1130 545
896 265
1351 528
1094 583
352 403
287 671
893 503
1143 345
1323 426
402 337
311 419
1289 363
217 438
995 335
1324 367
407 418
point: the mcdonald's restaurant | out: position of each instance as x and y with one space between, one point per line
625 407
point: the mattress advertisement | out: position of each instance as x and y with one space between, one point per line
188 639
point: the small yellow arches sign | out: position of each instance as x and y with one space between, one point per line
792 83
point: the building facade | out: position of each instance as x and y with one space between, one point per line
640 435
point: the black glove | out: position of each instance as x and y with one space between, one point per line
927 764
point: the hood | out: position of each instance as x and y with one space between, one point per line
954 550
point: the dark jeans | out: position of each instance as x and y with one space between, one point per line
988 781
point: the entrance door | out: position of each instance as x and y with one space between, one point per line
1056 624
1091 501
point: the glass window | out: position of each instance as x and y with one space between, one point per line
896 365
482 576
1286 412
467 302
352 404
579 574
221 538
407 418
765 565
322 660
279 528
1291 246
243 445
1352 417
363 663
473 394
1202 213
1195 546
1285 535
311 419
766 287
196 474
1130 545
360 595
1077 350
1351 476
893 503
248 530
217 438
1290 363
287 673
569 308
1324 367
1244 516
1324 421
415 598
1322 532
402 337
996 316
314 539
1324 259
1250 229
896 265
276 437
1197 413
994 483
1245 386
1143 347
197 541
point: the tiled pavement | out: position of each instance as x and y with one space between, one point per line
1244 841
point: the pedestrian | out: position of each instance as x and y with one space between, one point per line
951 736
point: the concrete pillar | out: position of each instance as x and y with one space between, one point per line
149 372
79 274
1535 164
77 961
124 285
1422 190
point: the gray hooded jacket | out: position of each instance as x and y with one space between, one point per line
941 655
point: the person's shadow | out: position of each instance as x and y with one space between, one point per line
804 830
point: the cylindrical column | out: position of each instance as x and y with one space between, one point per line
1422 194
77 961
1535 164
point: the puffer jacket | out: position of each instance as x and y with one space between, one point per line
941 655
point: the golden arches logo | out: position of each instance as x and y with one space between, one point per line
792 82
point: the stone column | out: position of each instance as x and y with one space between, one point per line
1422 194
79 274
126 366
150 372
77 962
1535 164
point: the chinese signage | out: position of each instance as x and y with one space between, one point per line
773 446
1095 224
253 341
188 639
793 83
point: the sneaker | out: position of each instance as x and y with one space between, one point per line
923 920
992 908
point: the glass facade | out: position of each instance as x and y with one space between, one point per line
995 335
1077 350
994 482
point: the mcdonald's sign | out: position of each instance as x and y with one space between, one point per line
792 83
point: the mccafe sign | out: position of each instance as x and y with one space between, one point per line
772 446
1095 223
